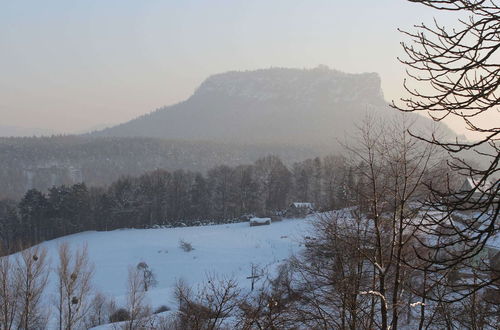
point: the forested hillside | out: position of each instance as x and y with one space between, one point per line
41 163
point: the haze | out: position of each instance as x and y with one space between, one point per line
71 66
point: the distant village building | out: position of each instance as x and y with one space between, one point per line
474 183
299 209
473 190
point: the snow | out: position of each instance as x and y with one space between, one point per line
154 319
227 249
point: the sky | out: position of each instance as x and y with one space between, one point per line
70 66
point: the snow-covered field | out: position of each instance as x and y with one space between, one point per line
228 249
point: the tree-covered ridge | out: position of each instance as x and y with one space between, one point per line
41 163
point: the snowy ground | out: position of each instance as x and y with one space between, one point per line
221 249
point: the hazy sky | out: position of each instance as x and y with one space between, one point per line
70 65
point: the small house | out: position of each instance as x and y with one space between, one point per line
299 209
474 192
259 221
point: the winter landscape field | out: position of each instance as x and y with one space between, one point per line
222 250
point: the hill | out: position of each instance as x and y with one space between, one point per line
278 105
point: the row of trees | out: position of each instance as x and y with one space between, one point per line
42 162
161 197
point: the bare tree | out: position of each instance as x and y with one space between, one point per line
274 180
137 309
74 274
9 294
332 272
458 69
99 311
148 276
217 299
272 305
31 271
392 168
455 73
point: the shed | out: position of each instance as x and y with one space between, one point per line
260 221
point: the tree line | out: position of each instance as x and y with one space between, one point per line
42 162
176 198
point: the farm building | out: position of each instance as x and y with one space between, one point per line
260 221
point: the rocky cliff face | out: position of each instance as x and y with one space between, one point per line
301 86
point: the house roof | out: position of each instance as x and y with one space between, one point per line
471 183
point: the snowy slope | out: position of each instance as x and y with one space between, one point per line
221 249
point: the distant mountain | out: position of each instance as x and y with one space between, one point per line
293 106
